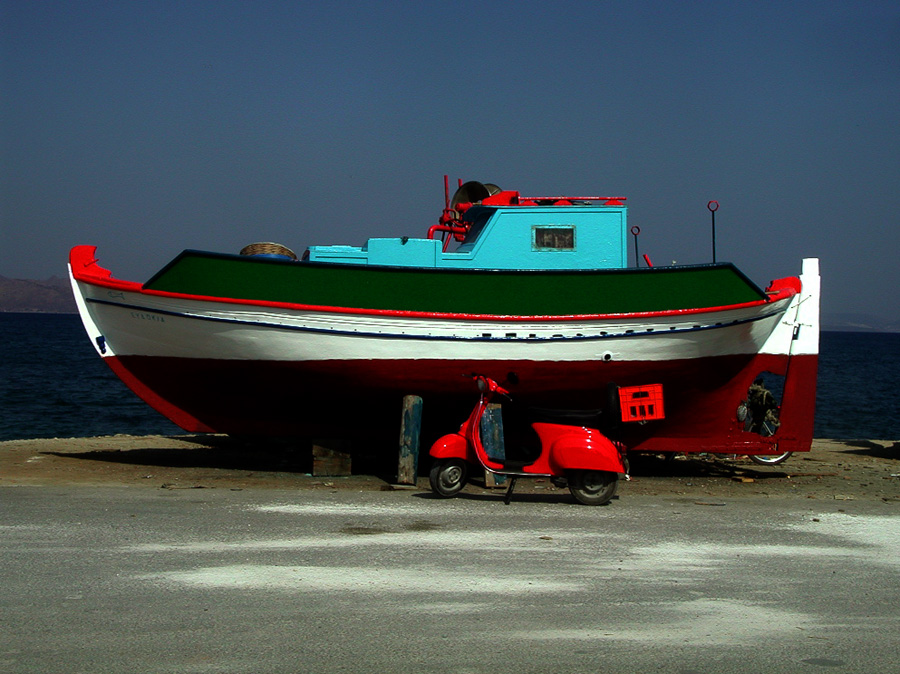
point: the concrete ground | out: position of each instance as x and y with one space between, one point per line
345 575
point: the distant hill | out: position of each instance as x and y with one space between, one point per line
837 322
51 296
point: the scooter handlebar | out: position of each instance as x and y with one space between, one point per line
488 385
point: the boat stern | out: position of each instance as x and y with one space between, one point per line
795 342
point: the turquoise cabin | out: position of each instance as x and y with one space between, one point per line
505 231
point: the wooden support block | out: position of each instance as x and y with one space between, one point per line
328 461
410 430
494 442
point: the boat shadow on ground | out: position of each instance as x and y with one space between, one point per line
219 452
294 456
560 496
886 450
700 466
209 452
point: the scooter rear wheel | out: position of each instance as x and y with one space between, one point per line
593 487
448 477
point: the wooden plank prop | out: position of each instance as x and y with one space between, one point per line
410 429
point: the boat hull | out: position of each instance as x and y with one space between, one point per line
236 366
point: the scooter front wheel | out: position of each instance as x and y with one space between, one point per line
593 487
448 477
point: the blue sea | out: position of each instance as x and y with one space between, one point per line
53 384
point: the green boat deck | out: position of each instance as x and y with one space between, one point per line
483 292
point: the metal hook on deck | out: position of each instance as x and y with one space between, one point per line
634 232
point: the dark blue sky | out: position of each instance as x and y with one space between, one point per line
149 127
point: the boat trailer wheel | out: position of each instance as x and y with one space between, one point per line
770 459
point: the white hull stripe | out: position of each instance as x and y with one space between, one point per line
486 337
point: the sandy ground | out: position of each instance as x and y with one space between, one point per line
833 470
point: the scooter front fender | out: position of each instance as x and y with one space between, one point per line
452 446
587 450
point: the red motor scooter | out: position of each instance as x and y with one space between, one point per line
555 444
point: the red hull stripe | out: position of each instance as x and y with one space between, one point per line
259 397
85 269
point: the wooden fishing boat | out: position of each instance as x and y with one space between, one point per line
534 291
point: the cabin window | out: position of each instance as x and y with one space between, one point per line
553 237
476 225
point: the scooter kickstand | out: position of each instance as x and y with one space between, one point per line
509 490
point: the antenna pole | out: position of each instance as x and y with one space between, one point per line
713 206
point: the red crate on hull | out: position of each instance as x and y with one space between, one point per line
641 403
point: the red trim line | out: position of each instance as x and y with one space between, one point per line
85 268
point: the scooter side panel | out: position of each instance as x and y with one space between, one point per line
585 450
